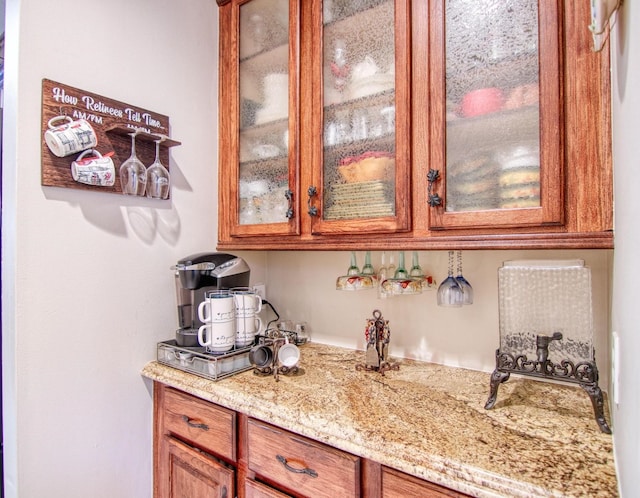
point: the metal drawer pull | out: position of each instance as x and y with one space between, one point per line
195 425
312 192
307 471
289 196
433 199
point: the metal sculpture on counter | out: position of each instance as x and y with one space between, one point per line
377 334
553 296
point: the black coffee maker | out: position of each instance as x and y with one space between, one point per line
196 275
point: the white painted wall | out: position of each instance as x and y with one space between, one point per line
87 290
625 48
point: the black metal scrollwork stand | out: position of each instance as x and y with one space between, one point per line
584 373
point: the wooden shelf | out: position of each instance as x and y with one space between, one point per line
143 135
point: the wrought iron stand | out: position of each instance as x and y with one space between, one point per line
584 373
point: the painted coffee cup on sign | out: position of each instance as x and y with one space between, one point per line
92 168
70 137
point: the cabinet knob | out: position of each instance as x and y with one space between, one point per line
433 199
289 196
312 192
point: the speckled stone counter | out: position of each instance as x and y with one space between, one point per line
428 420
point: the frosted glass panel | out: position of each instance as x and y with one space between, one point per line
543 297
492 106
359 109
264 111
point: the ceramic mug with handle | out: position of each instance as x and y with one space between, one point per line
217 336
247 302
70 137
92 168
218 306
246 329
288 354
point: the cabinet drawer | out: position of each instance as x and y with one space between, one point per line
396 483
255 489
201 423
301 465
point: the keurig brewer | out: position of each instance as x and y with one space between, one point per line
197 274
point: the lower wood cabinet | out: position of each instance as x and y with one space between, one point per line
255 489
202 450
192 473
396 484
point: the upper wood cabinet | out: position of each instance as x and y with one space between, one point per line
494 66
379 124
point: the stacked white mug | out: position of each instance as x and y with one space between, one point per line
247 306
217 313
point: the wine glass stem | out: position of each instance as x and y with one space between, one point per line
133 145
451 263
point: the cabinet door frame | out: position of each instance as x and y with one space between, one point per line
552 188
229 126
401 221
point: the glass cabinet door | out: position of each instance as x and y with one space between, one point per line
266 70
360 177
497 154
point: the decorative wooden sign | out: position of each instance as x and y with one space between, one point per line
112 121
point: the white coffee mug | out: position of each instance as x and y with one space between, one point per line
218 306
94 170
70 137
217 337
288 354
246 329
247 302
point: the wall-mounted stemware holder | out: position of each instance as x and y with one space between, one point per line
113 122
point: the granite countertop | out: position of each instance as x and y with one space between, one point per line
428 420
